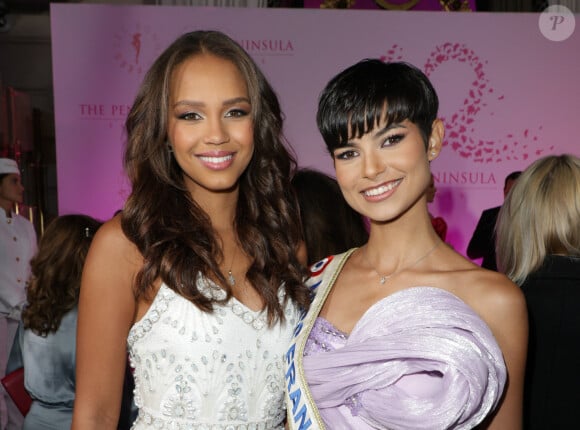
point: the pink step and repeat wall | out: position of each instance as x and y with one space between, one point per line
509 93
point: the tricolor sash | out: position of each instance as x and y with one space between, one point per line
301 410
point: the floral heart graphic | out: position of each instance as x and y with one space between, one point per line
462 135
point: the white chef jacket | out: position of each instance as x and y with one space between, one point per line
17 247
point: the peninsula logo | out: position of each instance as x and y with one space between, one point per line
268 47
134 48
462 133
471 178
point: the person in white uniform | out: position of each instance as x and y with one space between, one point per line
17 247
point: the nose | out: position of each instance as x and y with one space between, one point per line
216 132
372 165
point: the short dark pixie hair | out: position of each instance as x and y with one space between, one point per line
357 99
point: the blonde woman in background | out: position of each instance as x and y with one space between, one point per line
538 247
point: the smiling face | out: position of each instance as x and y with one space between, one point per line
210 124
385 172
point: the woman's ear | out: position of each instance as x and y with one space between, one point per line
436 139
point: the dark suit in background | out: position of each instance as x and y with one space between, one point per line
482 243
551 394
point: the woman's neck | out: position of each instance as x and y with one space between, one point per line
401 236
220 208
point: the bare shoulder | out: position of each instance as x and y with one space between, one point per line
107 286
112 261
110 243
497 300
484 290
111 233
495 292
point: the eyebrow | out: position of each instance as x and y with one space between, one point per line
379 133
388 128
228 102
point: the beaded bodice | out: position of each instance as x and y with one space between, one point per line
199 370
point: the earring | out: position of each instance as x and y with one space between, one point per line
432 148
169 147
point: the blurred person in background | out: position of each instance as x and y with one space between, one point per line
329 224
482 243
538 248
17 247
46 340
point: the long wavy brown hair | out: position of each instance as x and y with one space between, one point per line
170 229
56 272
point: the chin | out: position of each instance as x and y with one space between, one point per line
225 188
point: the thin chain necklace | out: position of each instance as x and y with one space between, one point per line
231 278
385 278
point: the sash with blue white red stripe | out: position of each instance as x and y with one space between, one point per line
301 410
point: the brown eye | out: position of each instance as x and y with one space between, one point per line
393 139
188 116
236 113
345 155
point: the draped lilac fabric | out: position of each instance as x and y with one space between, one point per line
418 359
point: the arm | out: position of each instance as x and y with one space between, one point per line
106 312
506 313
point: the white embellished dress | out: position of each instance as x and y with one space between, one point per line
214 371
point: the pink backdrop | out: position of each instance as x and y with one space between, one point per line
508 94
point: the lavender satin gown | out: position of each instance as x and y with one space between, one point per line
418 359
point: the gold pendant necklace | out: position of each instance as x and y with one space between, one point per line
385 278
